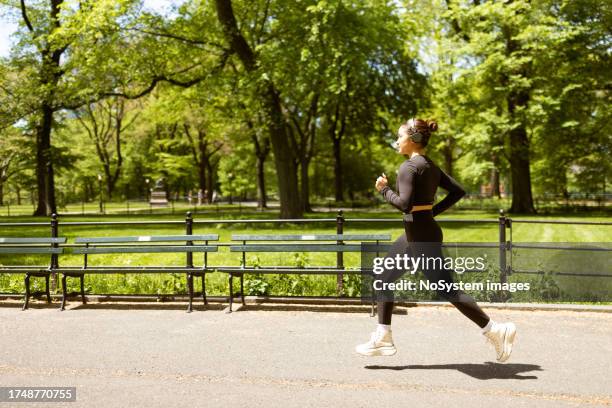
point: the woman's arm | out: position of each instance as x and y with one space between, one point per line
455 192
405 180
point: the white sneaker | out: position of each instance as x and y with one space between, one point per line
501 336
380 344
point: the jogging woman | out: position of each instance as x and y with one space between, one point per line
417 181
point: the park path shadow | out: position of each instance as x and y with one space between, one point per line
485 371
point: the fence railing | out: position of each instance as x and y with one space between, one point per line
179 204
503 222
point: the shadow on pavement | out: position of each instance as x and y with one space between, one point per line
144 306
486 371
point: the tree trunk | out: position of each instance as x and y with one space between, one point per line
44 165
495 189
522 199
1 193
305 190
112 179
261 153
211 176
202 163
286 171
50 73
517 100
109 182
261 183
335 135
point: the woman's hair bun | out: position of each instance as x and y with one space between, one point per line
432 125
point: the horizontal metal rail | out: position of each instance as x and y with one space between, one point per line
587 275
29 241
311 237
547 246
146 238
143 249
400 219
515 220
133 269
30 250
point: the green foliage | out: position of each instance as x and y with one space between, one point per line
346 70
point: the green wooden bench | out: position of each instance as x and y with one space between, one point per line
89 246
30 246
295 243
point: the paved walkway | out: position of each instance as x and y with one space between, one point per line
163 357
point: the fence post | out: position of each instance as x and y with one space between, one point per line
189 231
54 257
502 246
339 254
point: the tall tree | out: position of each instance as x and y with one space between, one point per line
505 90
269 98
56 42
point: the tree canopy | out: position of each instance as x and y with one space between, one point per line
298 100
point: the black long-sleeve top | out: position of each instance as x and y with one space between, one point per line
417 181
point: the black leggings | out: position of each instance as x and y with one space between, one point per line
424 236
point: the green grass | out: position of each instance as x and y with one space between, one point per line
270 284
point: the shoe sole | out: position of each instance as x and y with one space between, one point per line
382 351
509 336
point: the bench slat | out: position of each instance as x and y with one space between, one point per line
10 240
313 237
144 249
71 271
30 250
296 248
147 238
294 271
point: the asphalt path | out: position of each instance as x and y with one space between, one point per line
127 356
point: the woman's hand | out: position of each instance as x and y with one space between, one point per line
381 182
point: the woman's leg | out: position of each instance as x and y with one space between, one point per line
385 298
428 236
381 341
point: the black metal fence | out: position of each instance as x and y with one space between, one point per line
504 223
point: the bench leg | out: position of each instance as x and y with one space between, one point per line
190 290
242 288
204 289
83 289
63 293
373 311
27 292
231 292
47 289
